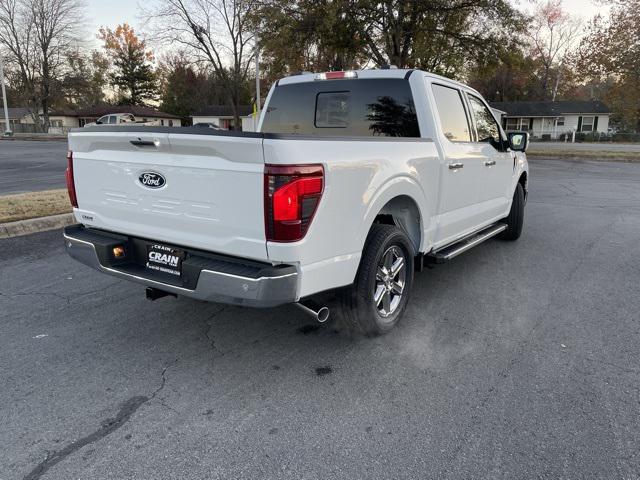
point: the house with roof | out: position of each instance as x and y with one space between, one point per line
20 120
62 120
553 120
222 116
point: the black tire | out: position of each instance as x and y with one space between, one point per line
515 219
359 311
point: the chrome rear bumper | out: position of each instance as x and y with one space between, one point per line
211 277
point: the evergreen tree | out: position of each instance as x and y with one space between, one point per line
132 72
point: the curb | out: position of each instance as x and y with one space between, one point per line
35 225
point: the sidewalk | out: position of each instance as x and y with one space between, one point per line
35 136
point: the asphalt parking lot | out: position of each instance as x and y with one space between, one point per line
30 166
515 360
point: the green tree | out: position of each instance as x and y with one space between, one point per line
132 72
182 88
438 35
185 88
506 79
443 36
85 81
308 35
610 55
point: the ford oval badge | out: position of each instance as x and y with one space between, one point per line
152 180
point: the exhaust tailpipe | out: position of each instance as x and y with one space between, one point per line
321 314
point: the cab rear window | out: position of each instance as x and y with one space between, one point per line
343 108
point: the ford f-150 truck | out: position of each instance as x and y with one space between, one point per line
354 180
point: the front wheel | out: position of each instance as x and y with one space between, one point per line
375 303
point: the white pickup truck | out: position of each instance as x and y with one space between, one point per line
118 119
353 180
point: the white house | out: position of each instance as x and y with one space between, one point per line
20 120
62 120
554 120
222 116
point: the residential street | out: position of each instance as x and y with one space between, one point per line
515 360
31 166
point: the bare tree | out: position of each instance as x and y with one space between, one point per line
37 35
216 31
552 35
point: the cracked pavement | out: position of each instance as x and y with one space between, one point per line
515 360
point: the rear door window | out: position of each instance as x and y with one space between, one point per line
343 108
452 114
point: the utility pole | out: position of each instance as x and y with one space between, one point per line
7 132
257 54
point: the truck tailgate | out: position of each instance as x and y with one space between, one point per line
202 191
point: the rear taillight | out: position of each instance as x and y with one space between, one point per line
291 196
71 186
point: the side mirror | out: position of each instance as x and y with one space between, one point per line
98 122
518 141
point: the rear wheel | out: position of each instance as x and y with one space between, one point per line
515 220
375 303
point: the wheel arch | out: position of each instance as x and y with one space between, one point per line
401 202
523 180
403 212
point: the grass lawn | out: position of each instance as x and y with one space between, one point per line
33 205
602 156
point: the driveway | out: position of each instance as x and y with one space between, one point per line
30 166
515 360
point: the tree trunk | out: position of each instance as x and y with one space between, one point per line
545 83
557 84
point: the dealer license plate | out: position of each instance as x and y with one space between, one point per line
165 259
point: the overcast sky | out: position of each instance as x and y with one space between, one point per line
112 12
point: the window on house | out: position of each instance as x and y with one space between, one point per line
513 124
587 124
453 118
560 122
56 123
171 123
517 124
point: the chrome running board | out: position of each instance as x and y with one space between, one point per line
467 243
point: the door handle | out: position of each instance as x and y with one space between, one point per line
455 166
143 143
489 163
